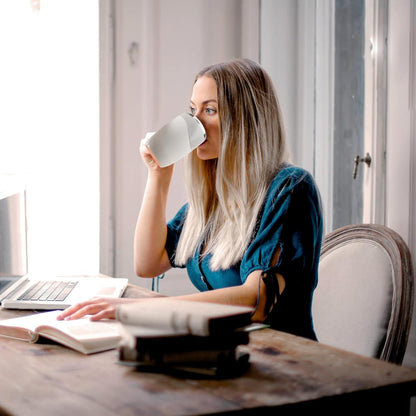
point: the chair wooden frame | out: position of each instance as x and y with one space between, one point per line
394 347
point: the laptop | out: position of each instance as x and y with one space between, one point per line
48 293
22 290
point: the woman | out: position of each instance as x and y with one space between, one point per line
251 231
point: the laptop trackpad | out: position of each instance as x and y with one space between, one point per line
106 291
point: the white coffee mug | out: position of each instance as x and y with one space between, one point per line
175 139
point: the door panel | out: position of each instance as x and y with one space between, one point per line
341 118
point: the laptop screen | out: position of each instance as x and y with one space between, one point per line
13 245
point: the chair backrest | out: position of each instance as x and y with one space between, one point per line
364 299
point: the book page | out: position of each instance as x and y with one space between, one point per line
81 329
22 327
82 335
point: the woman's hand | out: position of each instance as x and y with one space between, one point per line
98 308
150 160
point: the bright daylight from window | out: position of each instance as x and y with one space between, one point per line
49 129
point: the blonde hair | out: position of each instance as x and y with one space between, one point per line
226 194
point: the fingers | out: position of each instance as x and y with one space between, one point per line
147 155
93 307
97 308
66 314
108 313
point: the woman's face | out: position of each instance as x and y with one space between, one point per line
204 106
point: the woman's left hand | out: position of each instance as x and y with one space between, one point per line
97 307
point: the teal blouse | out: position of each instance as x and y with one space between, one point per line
291 219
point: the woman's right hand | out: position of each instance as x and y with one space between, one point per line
98 308
150 160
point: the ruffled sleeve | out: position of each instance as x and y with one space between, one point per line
292 221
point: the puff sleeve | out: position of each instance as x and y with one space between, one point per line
292 221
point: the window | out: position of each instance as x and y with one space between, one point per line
49 130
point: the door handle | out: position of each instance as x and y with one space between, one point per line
357 160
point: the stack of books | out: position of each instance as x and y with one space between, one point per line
173 335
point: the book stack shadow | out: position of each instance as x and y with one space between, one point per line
185 338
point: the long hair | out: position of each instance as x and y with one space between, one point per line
226 194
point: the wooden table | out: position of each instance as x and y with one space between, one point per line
293 374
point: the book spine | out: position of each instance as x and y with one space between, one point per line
197 357
191 342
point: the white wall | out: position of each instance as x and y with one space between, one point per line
279 36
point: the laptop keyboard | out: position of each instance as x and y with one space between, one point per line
48 291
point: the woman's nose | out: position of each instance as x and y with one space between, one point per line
200 118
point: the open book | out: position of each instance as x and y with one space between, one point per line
81 335
169 316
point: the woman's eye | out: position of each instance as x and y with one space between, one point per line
192 110
210 111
